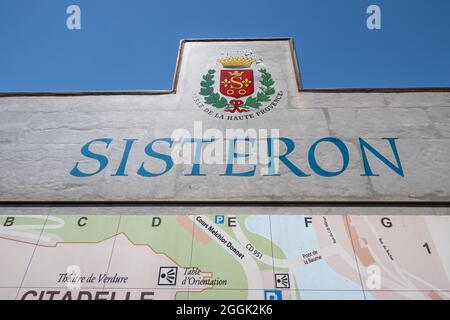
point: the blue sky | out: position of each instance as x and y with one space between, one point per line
132 45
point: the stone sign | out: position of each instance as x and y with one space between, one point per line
237 126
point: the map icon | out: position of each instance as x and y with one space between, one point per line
167 276
282 280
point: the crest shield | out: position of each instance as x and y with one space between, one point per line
236 83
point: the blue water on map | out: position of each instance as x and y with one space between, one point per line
318 279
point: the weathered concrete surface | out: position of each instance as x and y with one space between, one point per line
229 211
41 138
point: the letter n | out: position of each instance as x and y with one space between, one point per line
397 168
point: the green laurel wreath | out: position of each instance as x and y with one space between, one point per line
207 90
214 98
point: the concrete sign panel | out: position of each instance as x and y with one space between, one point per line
237 126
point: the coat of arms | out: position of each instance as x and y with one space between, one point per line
237 83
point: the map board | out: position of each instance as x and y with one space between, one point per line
280 256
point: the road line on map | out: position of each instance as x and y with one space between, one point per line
31 259
354 253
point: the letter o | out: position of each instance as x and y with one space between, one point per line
315 166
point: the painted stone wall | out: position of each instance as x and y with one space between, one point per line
41 138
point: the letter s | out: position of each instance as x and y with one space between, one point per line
152 153
239 83
102 160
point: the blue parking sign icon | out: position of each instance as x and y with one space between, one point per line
273 295
220 219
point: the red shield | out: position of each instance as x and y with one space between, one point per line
236 83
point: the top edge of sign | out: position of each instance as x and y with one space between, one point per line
175 81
